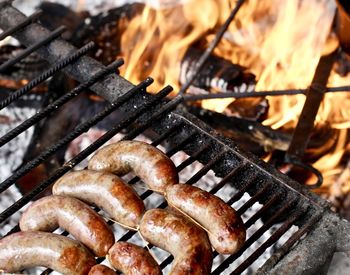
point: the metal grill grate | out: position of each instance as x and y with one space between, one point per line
283 202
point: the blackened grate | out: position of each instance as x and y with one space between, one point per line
283 202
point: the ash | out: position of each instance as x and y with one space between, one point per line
11 156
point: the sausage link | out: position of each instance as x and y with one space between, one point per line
101 270
105 190
131 259
149 163
226 229
23 250
74 216
174 233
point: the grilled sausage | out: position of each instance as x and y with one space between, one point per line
149 163
101 270
187 242
105 190
226 230
23 250
73 215
131 259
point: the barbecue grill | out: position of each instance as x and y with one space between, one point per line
284 202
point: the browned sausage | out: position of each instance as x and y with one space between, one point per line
73 215
226 230
23 250
105 190
149 163
132 260
101 270
187 242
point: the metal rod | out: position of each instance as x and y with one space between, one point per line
260 93
288 244
258 214
251 201
56 33
46 74
228 177
206 168
30 19
81 128
275 236
256 235
83 154
60 101
202 60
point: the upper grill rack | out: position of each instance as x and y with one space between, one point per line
283 201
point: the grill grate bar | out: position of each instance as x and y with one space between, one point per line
193 157
45 75
81 128
85 153
30 19
258 214
206 168
60 101
288 244
53 35
257 234
227 178
251 201
244 189
276 235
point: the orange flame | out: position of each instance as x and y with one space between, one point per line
280 41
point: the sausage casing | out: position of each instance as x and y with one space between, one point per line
187 242
226 230
149 163
101 270
51 212
105 190
23 250
131 259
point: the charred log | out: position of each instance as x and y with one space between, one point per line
218 75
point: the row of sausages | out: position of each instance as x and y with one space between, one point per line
100 186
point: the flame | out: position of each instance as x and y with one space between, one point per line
280 41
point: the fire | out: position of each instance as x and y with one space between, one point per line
280 41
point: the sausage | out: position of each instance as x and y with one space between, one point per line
149 163
74 216
105 190
226 230
187 242
23 250
131 259
101 270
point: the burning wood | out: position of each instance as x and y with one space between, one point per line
219 75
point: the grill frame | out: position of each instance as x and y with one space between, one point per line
113 88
